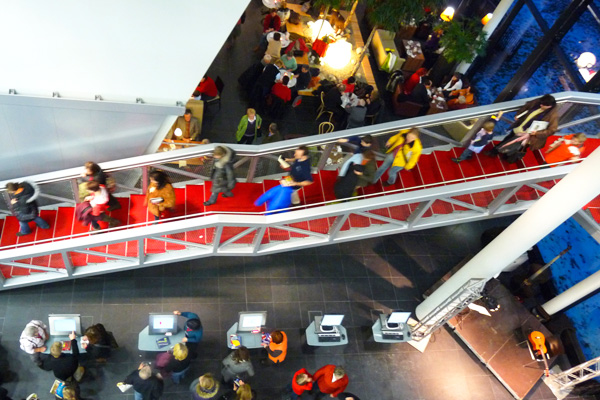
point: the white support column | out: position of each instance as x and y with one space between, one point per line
490 27
573 294
561 202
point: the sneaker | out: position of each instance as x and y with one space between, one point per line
19 234
227 194
208 203
456 160
386 183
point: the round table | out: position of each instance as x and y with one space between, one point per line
272 3
285 72
285 39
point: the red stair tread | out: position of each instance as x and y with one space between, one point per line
122 215
409 178
590 146
244 196
194 195
138 212
470 167
312 194
328 179
595 214
491 165
180 209
9 232
449 169
42 234
79 259
429 169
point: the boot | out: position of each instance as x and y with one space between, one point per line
112 222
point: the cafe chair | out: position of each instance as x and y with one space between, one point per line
326 127
220 86
321 110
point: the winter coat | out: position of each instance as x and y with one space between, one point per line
168 195
26 208
407 156
222 176
243 125
345 185
551 116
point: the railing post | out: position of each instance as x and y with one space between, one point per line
419 212
337 225
502 198
252 169
144 179
326 153
217 239
67 262
75 189
141 251
258 239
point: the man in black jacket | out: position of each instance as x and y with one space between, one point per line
63 365
24 207
420 93
146 385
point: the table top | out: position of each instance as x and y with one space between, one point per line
413 49
312 339
377 336
249 340
272 3
147 342
52 339
285 39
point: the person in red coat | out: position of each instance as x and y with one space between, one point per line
331 380
301 382
281 89
206 89
272 21
414 79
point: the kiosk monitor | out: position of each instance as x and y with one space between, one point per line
331 320
251 321
159 324
63 324
396 319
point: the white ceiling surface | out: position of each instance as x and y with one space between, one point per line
156 50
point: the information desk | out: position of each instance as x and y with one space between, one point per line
378 336
147 342
248 339
312 338
52 339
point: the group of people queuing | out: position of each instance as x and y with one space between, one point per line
67 363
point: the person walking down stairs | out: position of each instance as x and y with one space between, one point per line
222 176
24 207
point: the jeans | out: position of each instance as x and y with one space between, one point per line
393 174
137 396
466 154
178 376
246 140
24 226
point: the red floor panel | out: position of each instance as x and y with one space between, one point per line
9 232
328 179
590 146
44 234
471 167
449 169
244 195
313 193
595 214
122 215
409 179
138 212
442 207
490 165
180 210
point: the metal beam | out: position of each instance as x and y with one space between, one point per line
181 242
31 266
180 172
337 225
237 237
378 217
502 198
106 255
416 215
300 231
67 262
439 137
217 238
463 204
258 239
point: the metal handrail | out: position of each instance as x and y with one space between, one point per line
317 140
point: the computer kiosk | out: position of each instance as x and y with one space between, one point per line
392 328
327 330
161 334
248 331
60 326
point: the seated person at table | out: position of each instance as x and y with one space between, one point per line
481 139
303 77
350 84
63 365
461 99
333 101
289 61
414 80
206 89
190 127
265 81
455 83
274 46
281 89
193 331
272 21
356 115
567 148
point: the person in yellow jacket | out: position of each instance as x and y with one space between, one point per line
160 196
402 152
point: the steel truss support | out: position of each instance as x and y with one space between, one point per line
580 373
458 301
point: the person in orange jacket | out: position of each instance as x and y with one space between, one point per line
277 347
331 380
567 148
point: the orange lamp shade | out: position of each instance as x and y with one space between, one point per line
487 18
448 14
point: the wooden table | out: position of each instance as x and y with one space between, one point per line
437 106
416 61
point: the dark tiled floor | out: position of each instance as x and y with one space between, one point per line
358 279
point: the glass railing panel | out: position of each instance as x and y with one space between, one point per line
55 193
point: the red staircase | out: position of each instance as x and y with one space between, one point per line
433 169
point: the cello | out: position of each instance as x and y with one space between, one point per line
538 343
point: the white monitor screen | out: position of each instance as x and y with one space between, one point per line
398 317
166 322
65 325
332 319
252 320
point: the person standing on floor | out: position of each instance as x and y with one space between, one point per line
63 365
179 364
331 380
249 127
23 206
160 196
97 342
237 363
33 340
146 384
276 348
301 382
402 152
222 176
274 135
193 331
205 388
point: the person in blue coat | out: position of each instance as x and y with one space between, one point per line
193 331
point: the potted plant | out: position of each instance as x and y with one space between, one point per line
462 40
